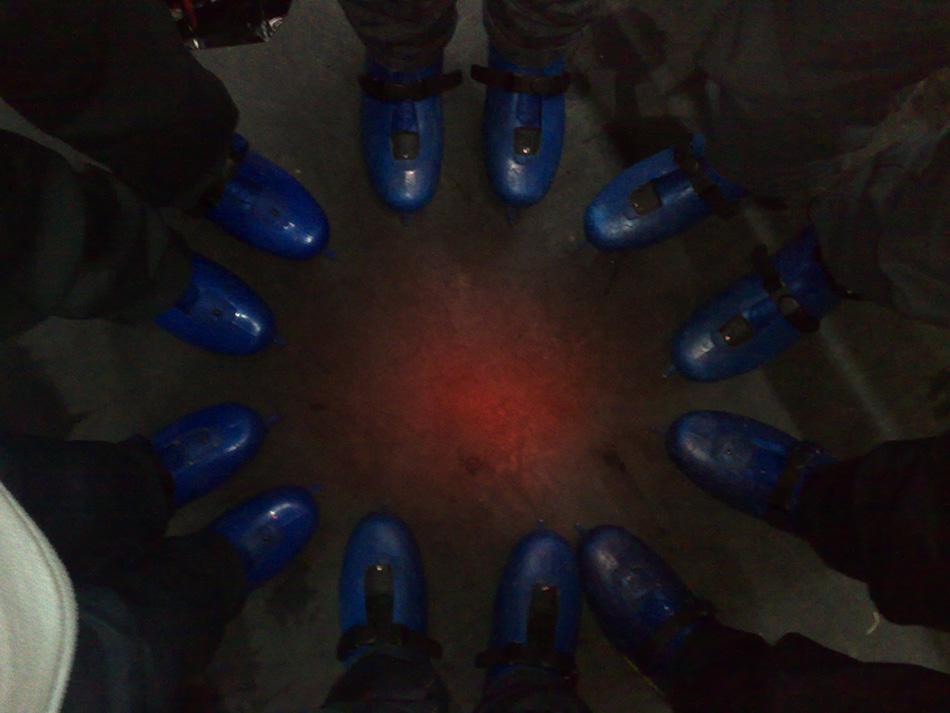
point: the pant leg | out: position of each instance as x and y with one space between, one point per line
144 632
78 243
527 690
802 110
402 34
884 518
534 33
884 226
722 670
113 79
97 503
794 93
389 680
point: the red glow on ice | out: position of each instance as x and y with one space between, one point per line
492 401
482 379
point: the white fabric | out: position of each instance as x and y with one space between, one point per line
37 616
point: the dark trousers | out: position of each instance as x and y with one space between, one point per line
525 689
112 79
393 680
152 610
722 670
883 518
410 34
79 243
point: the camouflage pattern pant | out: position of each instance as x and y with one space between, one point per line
410 34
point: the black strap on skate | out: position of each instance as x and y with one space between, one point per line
787 303
780 501
521 83
646 199
539 648
410 91
704 186
380 629
393 635
669 629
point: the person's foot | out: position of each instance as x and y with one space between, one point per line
745 463
537 609
657 198
383 590
267 207
219 312
759 316
205 448
522 126
402 130
269 530
642 606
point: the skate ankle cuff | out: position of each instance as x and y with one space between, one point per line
520 83
368 635
515 654
788 305
388 91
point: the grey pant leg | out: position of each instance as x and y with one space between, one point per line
534 33
402 34
794 91
885 228
797 112
78 244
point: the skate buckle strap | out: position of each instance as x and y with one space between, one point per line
392 634
787 303
539 648
520 83
704 186
388 91
380 629
779 511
